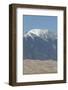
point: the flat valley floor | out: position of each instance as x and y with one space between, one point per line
39 66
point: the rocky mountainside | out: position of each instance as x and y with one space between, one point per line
40 44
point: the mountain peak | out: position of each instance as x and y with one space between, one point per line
38 32
41 33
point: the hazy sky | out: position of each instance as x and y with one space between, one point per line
40 22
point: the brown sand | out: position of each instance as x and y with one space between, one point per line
39 66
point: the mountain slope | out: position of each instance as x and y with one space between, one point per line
40 44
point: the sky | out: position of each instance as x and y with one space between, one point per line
40 22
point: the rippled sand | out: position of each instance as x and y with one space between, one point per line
39 66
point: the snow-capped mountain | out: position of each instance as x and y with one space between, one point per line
40 44
42 33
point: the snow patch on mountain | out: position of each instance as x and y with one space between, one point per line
42 33
38 32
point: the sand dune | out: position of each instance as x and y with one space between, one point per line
39 66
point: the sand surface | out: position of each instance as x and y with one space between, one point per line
39 66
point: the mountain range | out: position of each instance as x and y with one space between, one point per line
40 44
